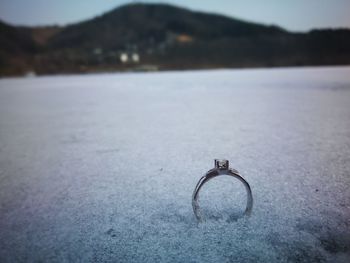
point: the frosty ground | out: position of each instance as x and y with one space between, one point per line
101 168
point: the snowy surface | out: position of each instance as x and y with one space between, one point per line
101 168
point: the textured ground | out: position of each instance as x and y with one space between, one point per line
101 168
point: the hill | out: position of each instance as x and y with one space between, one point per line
15 48
140 23
159 36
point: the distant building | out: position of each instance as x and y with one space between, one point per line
30 74
97 51
124 57
184 38
135 58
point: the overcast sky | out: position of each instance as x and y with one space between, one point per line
295 15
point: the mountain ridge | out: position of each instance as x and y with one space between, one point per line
161 18
167 37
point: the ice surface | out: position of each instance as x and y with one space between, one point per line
101 168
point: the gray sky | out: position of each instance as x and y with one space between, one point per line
296 15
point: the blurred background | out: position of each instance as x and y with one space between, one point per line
50 37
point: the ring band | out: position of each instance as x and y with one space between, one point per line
221 168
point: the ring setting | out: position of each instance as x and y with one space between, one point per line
221 168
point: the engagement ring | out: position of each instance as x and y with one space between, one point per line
221 168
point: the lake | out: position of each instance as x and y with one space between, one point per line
101 167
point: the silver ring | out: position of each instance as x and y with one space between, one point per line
221 168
